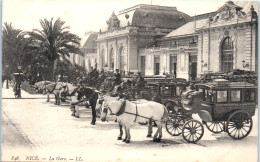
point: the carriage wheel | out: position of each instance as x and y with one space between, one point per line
174 125
215 126
239 124
192 131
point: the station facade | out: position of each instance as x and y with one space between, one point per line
158 40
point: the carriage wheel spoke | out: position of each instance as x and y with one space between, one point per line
193 138
195 125
238 133
196 135
233 130
244 129
199 133
211 124
242 133
189 137
170 127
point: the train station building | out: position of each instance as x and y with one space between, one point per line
159 40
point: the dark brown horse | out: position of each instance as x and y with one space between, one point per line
91 95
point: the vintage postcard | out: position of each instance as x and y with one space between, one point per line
129 80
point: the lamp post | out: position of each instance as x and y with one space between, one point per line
19 67
7 75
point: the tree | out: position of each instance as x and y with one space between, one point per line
14 47
54 41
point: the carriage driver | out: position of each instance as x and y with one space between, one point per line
116 80
139 86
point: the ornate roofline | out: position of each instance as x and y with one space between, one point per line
145 6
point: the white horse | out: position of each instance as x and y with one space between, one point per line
128 112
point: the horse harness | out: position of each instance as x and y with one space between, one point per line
122 111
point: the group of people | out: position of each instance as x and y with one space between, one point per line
128 88
113 84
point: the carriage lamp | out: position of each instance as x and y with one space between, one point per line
7 74
245 65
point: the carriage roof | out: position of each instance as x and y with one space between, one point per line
225 84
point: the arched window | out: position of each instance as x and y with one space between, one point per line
121 58
112 58
227 55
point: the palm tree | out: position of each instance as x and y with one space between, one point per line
54 41
14 47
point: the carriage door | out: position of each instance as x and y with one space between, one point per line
143 65
173 65
156 65
193 66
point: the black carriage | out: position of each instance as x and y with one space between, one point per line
222 106
169 92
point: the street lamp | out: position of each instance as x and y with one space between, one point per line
19 67
7 75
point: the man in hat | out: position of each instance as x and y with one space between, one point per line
140 84
116 80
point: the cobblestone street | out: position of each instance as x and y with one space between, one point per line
33 127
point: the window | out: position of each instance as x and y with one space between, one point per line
249 95
209 95
221 96
235 96
166 90
227 55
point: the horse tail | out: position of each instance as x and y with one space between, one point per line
165 114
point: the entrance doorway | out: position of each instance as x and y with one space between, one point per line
173 65
156 65
157 68
193 67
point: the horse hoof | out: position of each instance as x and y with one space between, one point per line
119 138
149 135
92 123
124 140
155 140
127 141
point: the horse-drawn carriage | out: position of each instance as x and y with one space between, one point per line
223 106
168 92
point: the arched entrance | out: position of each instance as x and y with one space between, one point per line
227 58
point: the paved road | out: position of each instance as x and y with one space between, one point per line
32 127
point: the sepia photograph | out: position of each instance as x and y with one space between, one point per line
129 80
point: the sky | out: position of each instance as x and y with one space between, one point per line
87 15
